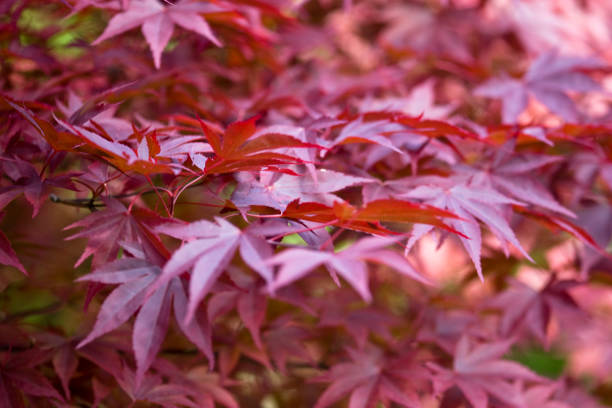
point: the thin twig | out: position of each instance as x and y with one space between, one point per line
91 203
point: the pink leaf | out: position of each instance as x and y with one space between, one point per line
150 329
119 306
157 31
158 22
196 330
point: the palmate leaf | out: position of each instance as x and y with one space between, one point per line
479 371
158 22
514 174
338 311
368 218
28 181
59 140
350 263
152 389
548 79
108 228
8 255
371 377
136 278
148 155
250 302
534 309
205 387
208 250
249 297
80 113
18 375
243 148
280 190
380 127
420 101
557 223
468 202
284 341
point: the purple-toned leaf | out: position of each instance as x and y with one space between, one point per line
119 306
150 329
65 364
157 30
33 383
8 255
196 330
158 22
252 310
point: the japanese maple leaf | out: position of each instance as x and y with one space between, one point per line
145 155
158 22
359 323
420 101
360 131
206 387
247 297
59 140
389 132
244 148
278 190
8 255
65 363
284 341
209 248
369 217
415 145
152 389
597 221
135 278
103 353
107 229
116 128
31 183
350 263
523 305
513 174
371 377
480 372
18 376
163 150
548 80
444 328
467 202
211 391
415 27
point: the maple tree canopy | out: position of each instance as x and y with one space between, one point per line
306 203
